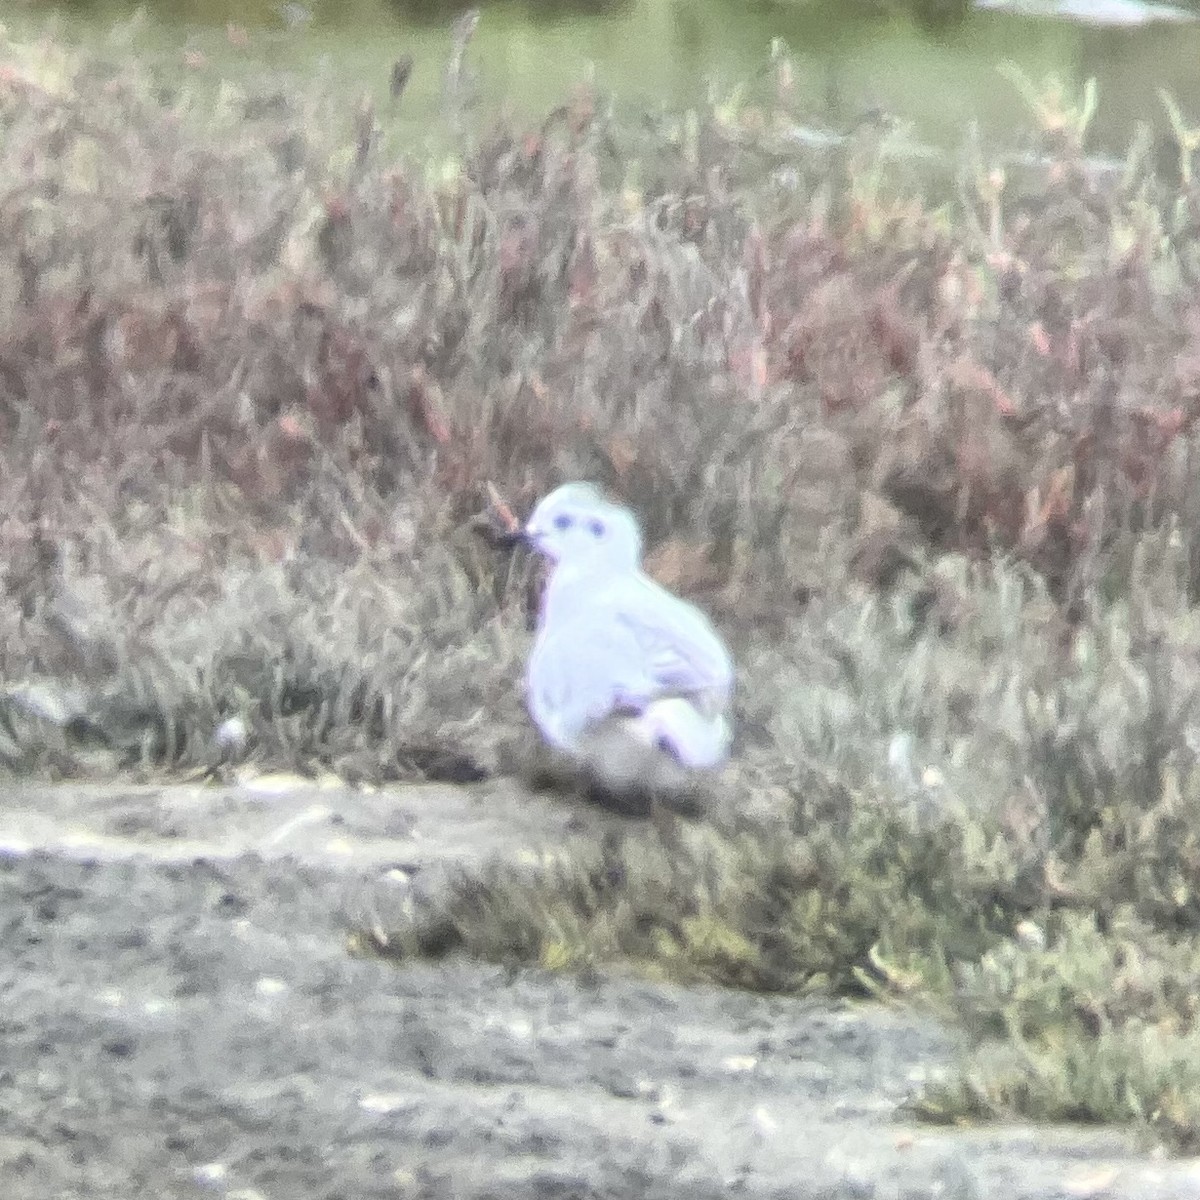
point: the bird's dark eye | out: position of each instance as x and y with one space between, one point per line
596 528
562 521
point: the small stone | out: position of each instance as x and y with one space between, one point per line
232 736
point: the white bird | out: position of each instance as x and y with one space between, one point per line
611 643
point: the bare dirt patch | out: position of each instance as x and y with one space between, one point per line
182 1016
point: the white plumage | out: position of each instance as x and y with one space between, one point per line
612 644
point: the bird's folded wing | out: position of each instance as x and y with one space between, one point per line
581 672
682 651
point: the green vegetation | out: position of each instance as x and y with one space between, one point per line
925 446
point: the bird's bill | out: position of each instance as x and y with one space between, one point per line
531 536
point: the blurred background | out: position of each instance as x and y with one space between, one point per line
929 63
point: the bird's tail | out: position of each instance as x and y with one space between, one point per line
678 726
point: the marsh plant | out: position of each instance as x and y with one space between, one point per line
923 442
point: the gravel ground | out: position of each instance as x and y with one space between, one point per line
181 1017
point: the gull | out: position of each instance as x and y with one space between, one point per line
613 645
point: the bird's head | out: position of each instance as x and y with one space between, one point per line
575 525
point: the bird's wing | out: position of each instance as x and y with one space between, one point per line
583 670
683 653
